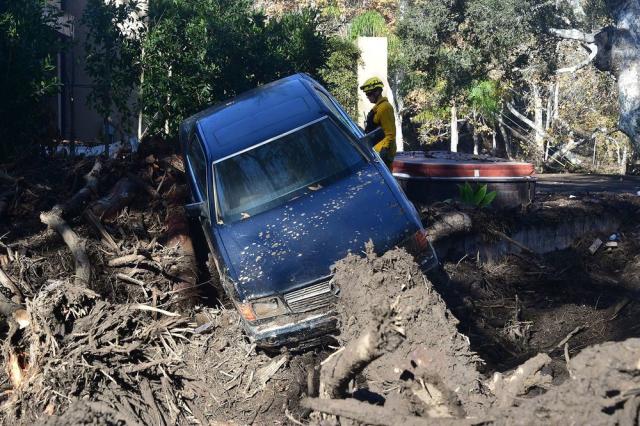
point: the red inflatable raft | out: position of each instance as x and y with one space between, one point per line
427 177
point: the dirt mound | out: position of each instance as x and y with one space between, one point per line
431 372
369 286
604 389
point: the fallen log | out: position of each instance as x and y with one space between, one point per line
178 238
54 220
447 224
130 259
81 198
122 193
141 183
375 415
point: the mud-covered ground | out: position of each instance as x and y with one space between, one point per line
140 343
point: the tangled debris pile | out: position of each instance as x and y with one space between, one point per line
115 360
101 321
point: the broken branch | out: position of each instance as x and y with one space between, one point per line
374 415
7 282
528 375
335 375
54 220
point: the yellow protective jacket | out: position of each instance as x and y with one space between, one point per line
382 116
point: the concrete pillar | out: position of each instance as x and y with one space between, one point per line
373 62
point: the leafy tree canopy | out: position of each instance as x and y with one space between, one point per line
28 47
199 52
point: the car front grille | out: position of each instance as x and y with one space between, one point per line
312 297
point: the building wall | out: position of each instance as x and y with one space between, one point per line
77 121
373 63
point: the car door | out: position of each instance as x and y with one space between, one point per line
198 169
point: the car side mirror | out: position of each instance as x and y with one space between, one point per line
195 210
373 137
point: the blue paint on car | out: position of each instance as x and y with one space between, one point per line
284 186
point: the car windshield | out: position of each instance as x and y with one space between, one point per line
275 172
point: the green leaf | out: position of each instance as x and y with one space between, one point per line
488 199
479 195
466 193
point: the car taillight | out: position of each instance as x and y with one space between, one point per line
246 311
421 240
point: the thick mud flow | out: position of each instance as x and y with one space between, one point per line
525 302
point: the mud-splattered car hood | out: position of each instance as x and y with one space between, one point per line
285 248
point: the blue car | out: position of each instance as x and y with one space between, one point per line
285 184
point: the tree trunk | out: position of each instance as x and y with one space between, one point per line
537 105
619 54
556 102
454 128
476 138
505 136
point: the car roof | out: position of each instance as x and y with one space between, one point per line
255 116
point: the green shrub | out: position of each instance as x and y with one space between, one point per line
368 24
28 47
340 73
200 52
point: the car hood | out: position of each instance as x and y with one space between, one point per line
296 243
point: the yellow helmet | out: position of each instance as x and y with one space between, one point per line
371 84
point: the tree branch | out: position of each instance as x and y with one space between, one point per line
593 52
574 34
525 120
514 131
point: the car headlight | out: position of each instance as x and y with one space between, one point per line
261 309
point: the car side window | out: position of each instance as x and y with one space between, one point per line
338 112
198 163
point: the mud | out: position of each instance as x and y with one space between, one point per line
603 390
368 283
525 303
123 352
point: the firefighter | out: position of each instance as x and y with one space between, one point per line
381 115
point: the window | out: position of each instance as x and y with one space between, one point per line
271 174
340 114
198 163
